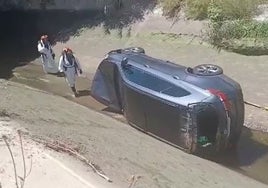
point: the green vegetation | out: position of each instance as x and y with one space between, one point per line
236 31
237 9
171 8
230 22
197 9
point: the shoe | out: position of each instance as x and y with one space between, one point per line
76 94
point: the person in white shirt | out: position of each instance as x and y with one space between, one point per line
47 55
70 66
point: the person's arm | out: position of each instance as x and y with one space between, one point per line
51 51
78 65
61 69
42 49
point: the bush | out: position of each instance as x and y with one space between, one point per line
197 9
230 21
247 29
248 46
236 35
171 8
237 9
221 27
237 29
216 18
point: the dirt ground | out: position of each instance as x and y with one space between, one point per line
120 150
43 167
250 157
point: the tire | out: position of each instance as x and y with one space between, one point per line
207 70
234 140
135 49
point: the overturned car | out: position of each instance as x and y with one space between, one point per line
191 108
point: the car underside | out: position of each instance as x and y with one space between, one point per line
190 108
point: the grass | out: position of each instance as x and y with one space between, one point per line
197 9
246 29
238 33
171 8
238 9
229 21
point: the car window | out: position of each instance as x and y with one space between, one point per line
134 75
107 69
152 82
176 91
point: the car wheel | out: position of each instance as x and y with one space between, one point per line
135 49
207 70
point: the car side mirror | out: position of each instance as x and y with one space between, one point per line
124 62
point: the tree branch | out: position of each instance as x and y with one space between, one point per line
12 157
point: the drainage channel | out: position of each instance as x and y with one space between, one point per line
250 158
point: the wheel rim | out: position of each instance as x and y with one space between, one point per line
207 69
135 49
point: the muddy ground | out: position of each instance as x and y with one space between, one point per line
120 150
251 157
252 153
39 166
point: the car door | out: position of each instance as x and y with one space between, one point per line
164 117
133 96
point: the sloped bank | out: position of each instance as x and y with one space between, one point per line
118 149
247 46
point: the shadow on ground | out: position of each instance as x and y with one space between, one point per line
83 93
252 149
20 30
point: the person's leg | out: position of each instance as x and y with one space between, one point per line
52 66
44 68
70 78
44 65
74 91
